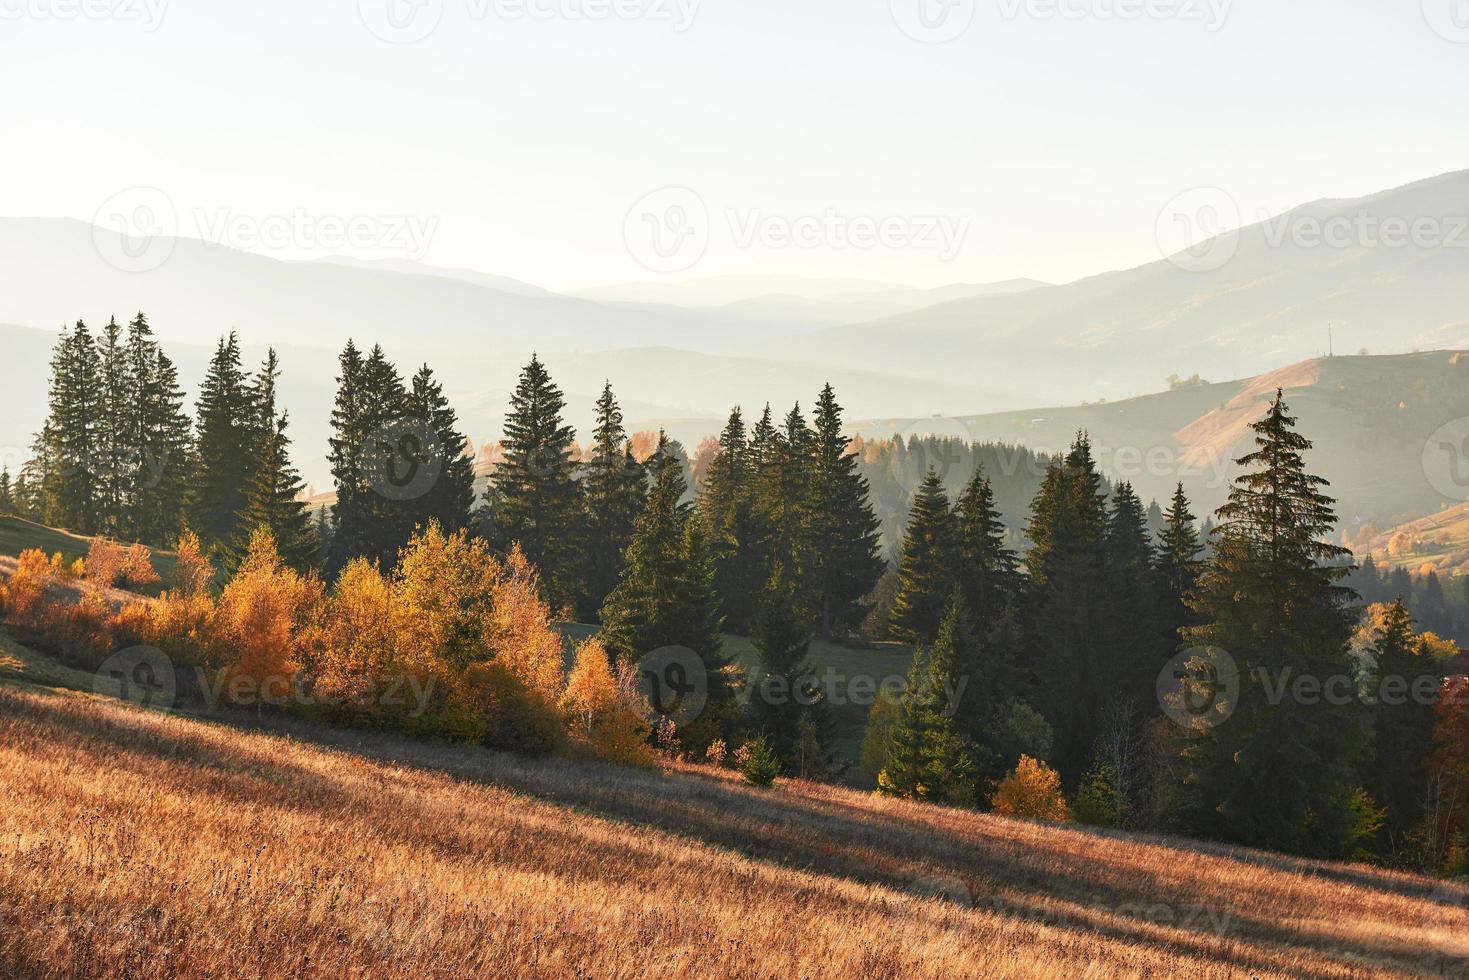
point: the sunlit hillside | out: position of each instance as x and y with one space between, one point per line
137 844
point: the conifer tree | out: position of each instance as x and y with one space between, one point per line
350 514
1069 608
1179 566
450 498
728 503
984 568
927 758
273 502
842 530
1132 601
787 692
1279 773
616 489
666 596
7 494
227 439
926 569
68 447
534 497
1402 727
116 423
161 440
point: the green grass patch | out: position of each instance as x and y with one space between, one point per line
17 535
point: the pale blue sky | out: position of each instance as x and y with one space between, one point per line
527 142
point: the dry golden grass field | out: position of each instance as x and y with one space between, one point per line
139 844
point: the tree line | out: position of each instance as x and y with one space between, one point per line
1296 727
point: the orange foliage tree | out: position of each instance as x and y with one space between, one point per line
1032 791
606 715
262 617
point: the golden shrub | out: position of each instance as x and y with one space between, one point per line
24 593
192 572
1032 791
605 713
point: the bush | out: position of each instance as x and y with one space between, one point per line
24 593
192 572
1032 791
105 559
758 763
605 714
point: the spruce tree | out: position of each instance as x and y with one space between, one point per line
1402 728
7 494
1179 565
350 513
273 502
116 425
729 505
534 497
68 447
666 595
1279 773
616 489
927 758
985 569
1069 615
842 530
1132 602
787 692
926 568
159 440
450 498
225 448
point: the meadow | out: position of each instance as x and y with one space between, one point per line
140 844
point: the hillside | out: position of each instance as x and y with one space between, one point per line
169 845
1271 303
1438 542
1370 419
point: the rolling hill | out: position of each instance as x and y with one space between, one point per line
236 846
1372 420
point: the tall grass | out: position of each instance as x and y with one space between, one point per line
138 844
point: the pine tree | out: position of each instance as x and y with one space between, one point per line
666 595
227 439
534 497
1069 609
985 569
1132 602
116 424
67 449
450 498
160 440
787 692
7 494
1179 565
730 504
273 503
1402 727
616 489
926 569
842 531
927 758
350 512
1279 773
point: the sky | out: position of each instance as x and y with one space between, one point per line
572 143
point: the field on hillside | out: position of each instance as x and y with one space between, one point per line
16 535
138 844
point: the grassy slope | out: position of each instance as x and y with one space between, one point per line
138 844
17 535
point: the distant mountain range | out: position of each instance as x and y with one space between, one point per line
681 354
1272 302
